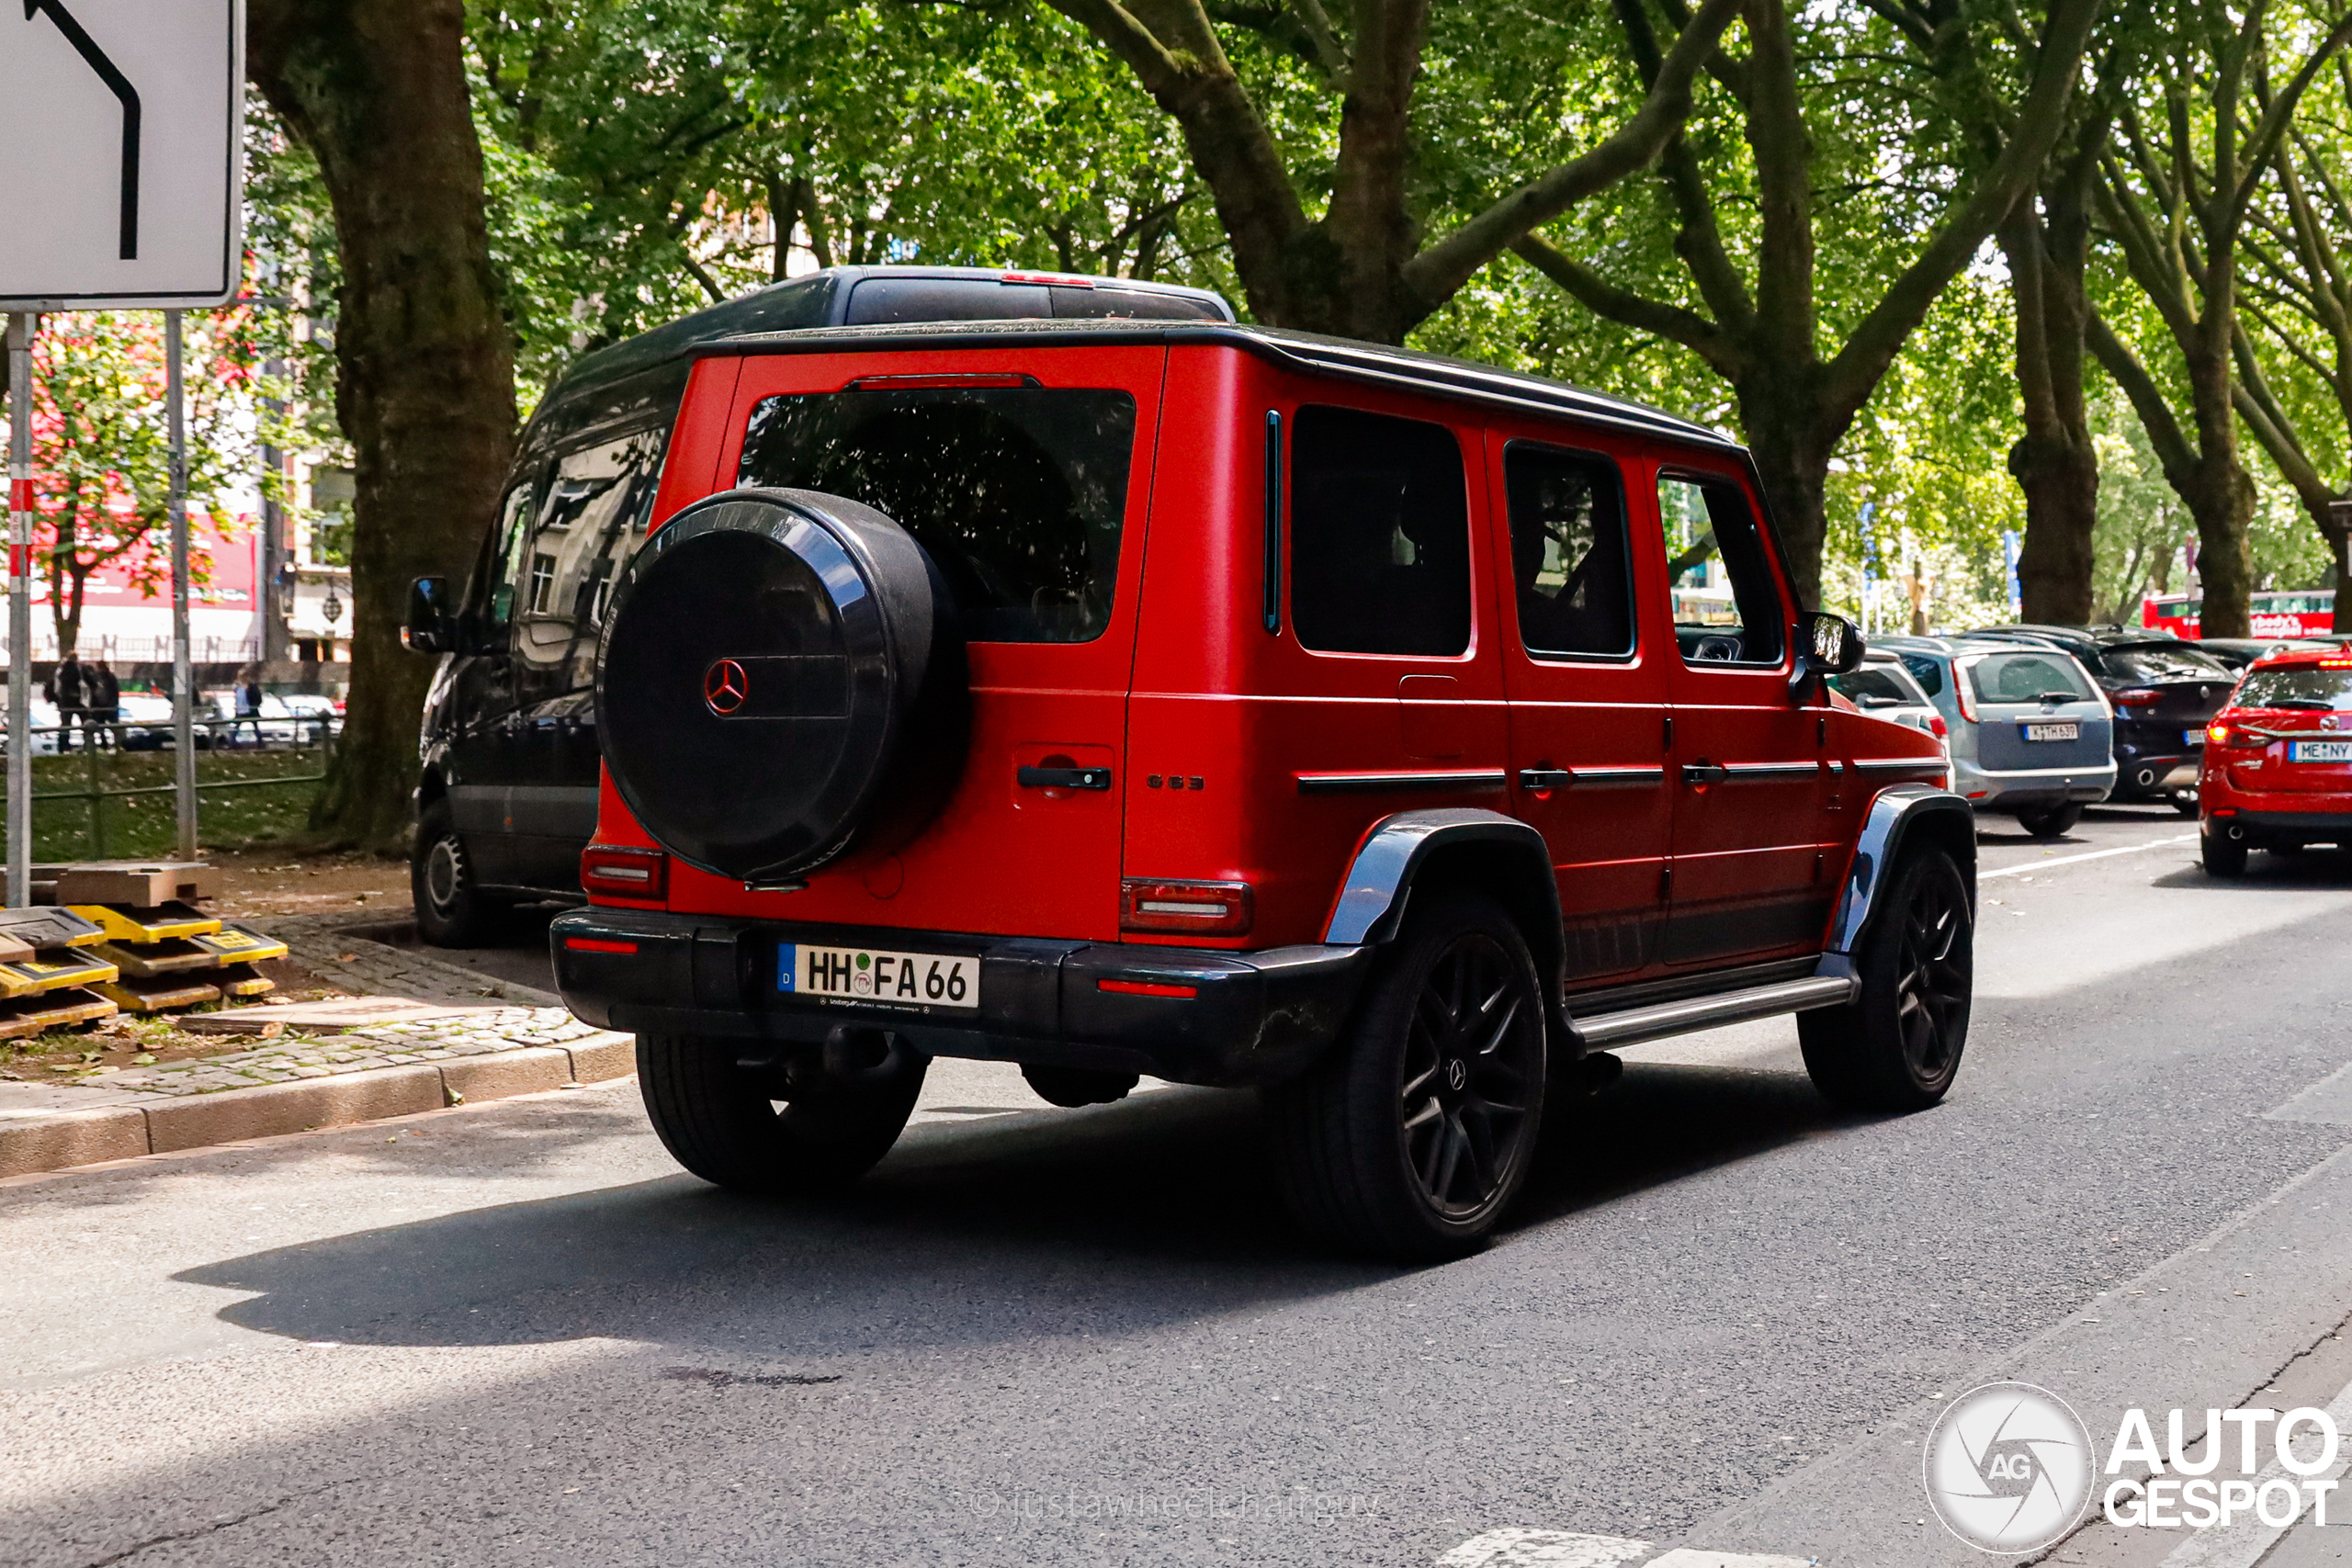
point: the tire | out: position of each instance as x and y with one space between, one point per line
451 909
1897 1046
2222 855
1371 1143
781 677
720 1122
2049 821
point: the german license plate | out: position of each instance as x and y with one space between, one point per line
2319 751
2192 736
872 975
2053 732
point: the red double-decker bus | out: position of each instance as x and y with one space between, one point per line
2309 611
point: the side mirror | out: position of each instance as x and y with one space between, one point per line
432 625
1827 645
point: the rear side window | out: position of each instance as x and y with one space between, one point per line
1872 686
1926 671
1570 563
1018 493
1380 535
2308 686
2028 678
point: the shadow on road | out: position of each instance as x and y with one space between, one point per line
1158 1210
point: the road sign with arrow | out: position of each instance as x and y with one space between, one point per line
121 130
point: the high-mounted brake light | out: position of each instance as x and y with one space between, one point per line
944 380
619 871
1055 278
1205 909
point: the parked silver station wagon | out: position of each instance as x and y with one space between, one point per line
2031 733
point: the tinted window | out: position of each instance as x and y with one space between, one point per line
495 592
1570 558
1872 686
944 300
1137 304
1018 493
592 517
2297 685
2159 663
1380 535
1726 606
1926 671
2026 678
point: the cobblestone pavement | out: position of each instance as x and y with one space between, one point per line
327 946
385 1045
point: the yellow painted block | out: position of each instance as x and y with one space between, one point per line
147 923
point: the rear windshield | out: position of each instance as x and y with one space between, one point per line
2311 686
1017 493
2028 678
2160 663
1874 685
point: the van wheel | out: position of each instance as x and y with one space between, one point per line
2049 821
1411 1136
718 1120
2222 855
451 909
1897 1045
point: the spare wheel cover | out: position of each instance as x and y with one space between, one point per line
763 664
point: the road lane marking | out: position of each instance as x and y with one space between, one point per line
2328 1102
1518 1548
1684 1557
2094 854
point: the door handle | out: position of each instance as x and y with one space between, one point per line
1546 778
1063 778
1704 772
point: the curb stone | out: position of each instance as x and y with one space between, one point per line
30 1145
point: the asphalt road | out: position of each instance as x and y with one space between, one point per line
515 1333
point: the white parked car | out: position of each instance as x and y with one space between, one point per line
1883 688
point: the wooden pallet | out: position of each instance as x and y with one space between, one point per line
46 927
35 1015
144 958
159 993
147 923
240 980
58 969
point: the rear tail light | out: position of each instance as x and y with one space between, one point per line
1205 909
619 871
2139 697
1936 726
1963 686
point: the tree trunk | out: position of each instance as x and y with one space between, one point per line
1791 436
2219 493
425 361
2053 462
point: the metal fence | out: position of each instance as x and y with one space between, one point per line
301 735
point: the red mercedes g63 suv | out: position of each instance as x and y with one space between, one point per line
1241 708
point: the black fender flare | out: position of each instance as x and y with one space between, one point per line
1516 866
1898 815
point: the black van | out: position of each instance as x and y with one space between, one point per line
507 797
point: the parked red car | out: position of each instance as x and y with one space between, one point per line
2278 772
1240 708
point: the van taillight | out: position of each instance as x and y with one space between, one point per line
1205 909
619 871
2139 697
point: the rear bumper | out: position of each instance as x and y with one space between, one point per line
1249 1017
2326 819
2007 789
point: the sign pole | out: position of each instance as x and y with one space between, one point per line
22 326
183 681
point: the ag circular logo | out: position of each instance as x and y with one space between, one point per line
725 685
2008 1467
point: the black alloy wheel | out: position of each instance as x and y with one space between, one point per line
1413 1135
1897 1045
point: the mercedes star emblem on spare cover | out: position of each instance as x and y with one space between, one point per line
725 686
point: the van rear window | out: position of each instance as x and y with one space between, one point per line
1018 492
2028 678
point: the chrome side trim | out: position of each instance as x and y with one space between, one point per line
1734 771
1381 783
1615 777
1899 764
1637 1024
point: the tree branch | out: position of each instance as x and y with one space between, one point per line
1434 275
2147 399
1603 298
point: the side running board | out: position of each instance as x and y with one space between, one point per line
1635 1025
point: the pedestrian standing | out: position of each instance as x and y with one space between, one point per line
68 688
104 694
249 699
